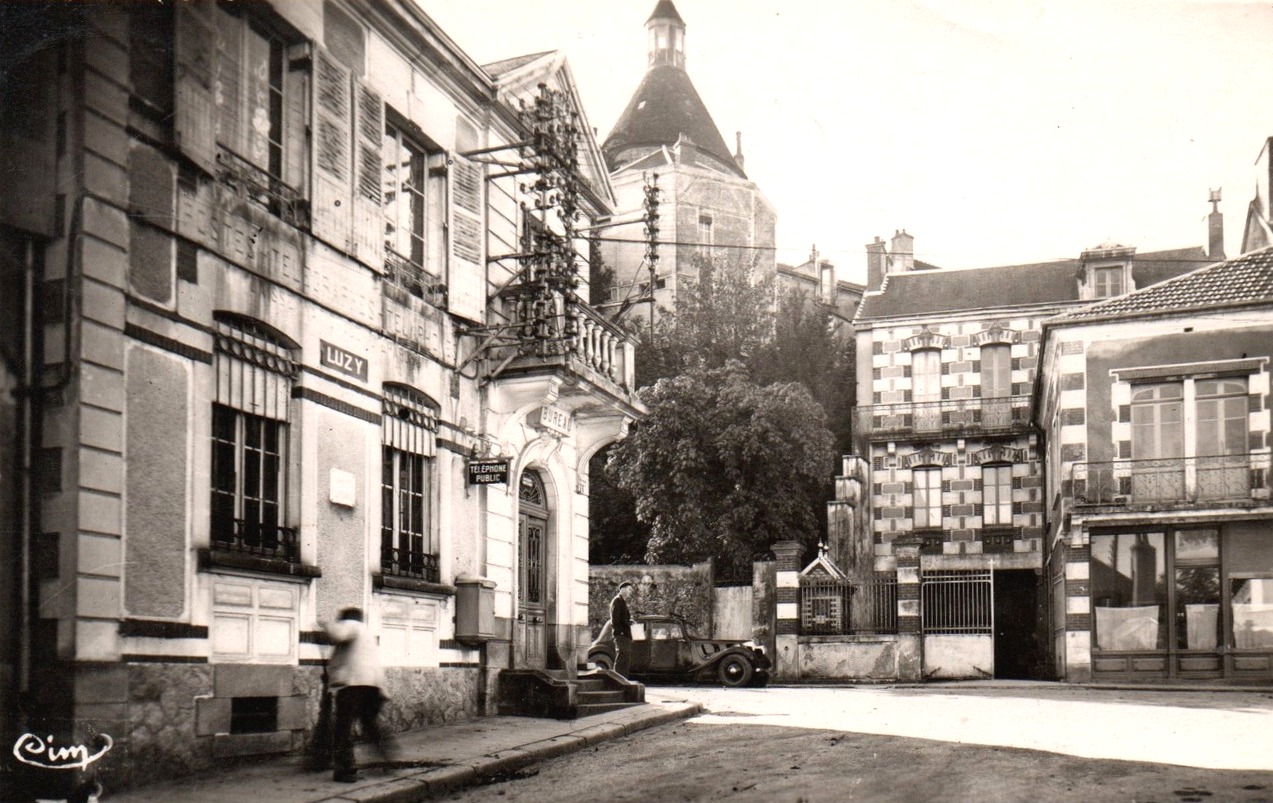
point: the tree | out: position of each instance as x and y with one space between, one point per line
815 347
726 313
721 467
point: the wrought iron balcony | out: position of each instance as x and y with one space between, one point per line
256 538
950 417
409 563
1224 479
259 187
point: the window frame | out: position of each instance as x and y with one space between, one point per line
410 545
927 380
1109 281
932 495
996 365
1001 503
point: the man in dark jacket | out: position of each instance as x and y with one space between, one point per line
621 622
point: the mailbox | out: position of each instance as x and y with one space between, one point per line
474 610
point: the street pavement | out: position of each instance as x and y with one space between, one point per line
428 763
1228 729
1190 727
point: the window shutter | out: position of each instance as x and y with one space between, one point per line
467 263
331 196
196 66
369 221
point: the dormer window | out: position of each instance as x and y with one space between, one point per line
1107 282
1106 272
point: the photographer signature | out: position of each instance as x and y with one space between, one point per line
31 749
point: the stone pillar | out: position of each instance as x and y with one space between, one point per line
789 555
910 638
1077 666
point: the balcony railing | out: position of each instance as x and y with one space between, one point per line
1005 415
260 187
1165 481
575 335
409 563
256 538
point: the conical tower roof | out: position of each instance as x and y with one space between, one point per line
666 108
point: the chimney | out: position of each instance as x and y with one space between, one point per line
1215 229
738 150
875 256
902 254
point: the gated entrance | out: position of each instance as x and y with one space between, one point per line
957 621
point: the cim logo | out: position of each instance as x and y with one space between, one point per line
31 749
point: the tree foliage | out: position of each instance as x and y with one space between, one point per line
812 345
722 467
726 313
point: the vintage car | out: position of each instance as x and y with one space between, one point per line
663 648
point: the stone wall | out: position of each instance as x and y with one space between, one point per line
684 590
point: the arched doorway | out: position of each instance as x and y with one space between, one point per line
533 574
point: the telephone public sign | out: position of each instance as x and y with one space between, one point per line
488 472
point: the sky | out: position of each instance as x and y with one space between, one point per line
994 131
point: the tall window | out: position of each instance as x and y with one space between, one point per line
408 540
254 368
249 91
705 236
996 371
405 196
1158 421
1107 282
996 495
1222 416
1194 435
926 375
927 498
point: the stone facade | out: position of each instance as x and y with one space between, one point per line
261 384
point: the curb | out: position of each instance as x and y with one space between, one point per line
433 783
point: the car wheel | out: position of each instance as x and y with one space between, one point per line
602 661
734 670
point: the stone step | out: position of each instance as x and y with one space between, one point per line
592 709
597 697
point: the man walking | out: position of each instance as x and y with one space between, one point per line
356 677
621 624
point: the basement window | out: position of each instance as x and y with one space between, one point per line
253 714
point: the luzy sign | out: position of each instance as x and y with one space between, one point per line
344 361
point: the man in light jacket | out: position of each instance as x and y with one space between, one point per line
357 679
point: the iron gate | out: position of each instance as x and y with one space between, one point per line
957 602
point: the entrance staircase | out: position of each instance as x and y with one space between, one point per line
551 694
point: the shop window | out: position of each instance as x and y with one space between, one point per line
1129 591
1197 588
1252 602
